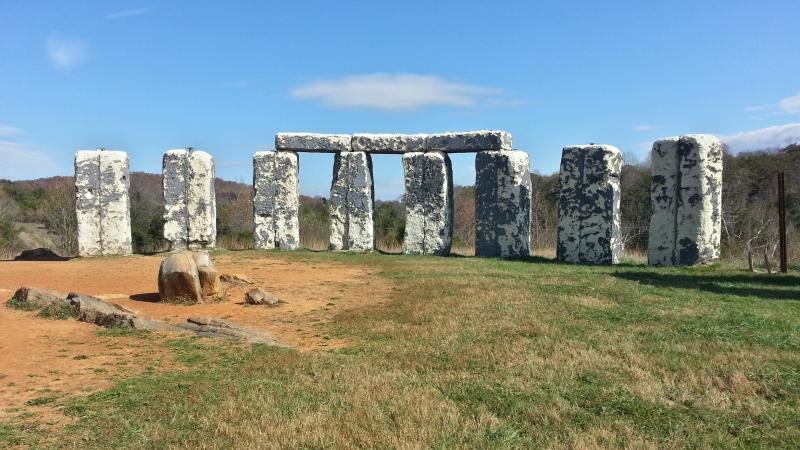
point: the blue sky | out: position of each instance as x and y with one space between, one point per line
225 77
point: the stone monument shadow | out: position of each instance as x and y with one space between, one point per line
150 297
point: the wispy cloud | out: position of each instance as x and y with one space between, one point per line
790 105
763 138
384 91
786 105
238 83
8 130
647 127
64 52
127 13
22 159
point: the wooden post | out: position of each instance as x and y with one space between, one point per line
782 221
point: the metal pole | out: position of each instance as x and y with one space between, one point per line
782 221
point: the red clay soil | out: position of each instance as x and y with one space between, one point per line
38 356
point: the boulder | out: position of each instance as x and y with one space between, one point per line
178 278
188 277
39 297
40 254
259 296
210 284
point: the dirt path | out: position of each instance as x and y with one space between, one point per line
39 356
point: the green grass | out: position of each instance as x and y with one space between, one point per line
60 311
55 311
486 353
23 306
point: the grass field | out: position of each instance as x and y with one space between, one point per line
482 353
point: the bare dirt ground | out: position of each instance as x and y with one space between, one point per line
39 357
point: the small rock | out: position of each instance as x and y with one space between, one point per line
236 278
258 296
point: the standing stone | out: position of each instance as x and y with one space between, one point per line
190 208
87 202
588 213
276 200
686 198
175 212
429 203
102 204
502 204
351 204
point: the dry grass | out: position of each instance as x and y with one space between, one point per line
489 353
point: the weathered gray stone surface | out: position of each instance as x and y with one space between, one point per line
502 204
258 296
222 329
276 200
313 142
686 198
388 143
176 219
468 141
99 312
39 297
588 213
190 208
351 203
449 142
102 203
429 203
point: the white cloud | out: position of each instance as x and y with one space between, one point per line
64 52
8 130
127 13
763 138
647 127
24 161
21 159
790 105
787 105
386 91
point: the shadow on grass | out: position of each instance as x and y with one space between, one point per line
767 286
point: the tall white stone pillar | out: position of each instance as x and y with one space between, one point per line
589 202
686 199
429 203
190 208
276 200
502 204
102 204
